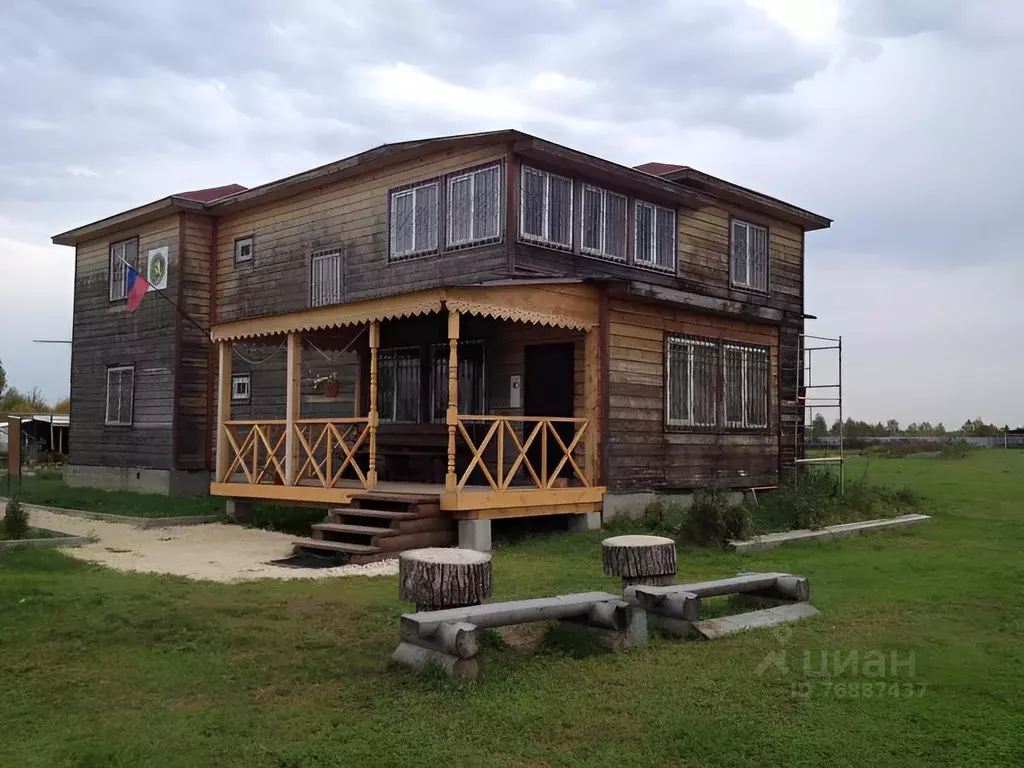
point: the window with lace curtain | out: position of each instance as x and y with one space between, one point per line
749 258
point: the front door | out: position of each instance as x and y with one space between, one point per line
548 391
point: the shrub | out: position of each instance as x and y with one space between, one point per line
955 450
15 520
712 519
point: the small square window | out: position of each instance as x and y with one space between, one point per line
240 386
243 249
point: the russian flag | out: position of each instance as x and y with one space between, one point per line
137 287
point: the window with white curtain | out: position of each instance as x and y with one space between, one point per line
325 278
747 372
121 254
414 217
474 207
545 208
749 262
120 395
655 237
603 224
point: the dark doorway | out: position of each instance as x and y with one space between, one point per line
548 375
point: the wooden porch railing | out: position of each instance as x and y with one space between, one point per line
256 449
328 447
534 430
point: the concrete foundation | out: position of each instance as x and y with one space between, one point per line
238 510
475 534
588 522
167 482
632 506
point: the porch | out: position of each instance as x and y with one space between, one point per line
484 398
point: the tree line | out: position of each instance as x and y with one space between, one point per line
852 428
14 401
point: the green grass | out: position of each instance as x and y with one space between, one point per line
107 669
49 490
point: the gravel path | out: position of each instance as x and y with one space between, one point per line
215 551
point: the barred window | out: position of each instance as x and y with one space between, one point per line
749 262
474 207
655 237
545 208
399 398
122 254
414 221
472 398
325 278
604 224
692 381
747 372
120 395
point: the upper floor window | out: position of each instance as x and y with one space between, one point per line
243 249
120 395
121 255
655 237
325 278
414 220
474 206
604 224
749 262
545 208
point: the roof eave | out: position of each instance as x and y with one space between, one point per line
126 219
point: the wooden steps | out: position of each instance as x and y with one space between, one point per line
378 526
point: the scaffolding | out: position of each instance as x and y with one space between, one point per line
829 399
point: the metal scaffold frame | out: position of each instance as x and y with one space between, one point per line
825 402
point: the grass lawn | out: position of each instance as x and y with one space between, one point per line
49 490
107 669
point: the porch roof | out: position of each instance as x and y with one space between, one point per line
557 304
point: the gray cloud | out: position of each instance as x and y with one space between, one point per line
899 123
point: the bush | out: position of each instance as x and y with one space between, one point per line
712 519
15 521
955 450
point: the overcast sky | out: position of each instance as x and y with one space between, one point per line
900 119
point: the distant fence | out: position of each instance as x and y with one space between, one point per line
1009 441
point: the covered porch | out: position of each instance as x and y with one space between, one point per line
483 397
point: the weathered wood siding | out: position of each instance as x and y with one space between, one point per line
351 215
105 333
641 453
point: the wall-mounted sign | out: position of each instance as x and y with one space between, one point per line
515 391
159 265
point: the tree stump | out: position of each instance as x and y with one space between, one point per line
649 560
436 578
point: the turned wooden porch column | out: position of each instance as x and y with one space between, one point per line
452 418
371 415
223 407
293 394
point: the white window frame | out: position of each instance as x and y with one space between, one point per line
651 261
690 343
117 265
319 294
241 256
237 393
751 257
118 419
393 253
601 252
747 354
473 239
545 238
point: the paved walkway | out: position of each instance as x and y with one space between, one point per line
215 551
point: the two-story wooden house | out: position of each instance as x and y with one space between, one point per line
491 324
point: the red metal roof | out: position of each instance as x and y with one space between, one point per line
660 169
212 193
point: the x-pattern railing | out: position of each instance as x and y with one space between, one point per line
534 429
328 447
257 450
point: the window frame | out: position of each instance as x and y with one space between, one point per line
545 240
602 252
393 195
653 264
322 255
238 378
748 285
119 421
449 181
393 353
120 265
439 352
720 425
241 242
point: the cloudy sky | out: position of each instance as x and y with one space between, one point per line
900 119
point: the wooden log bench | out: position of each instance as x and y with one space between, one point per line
449 638
675 609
